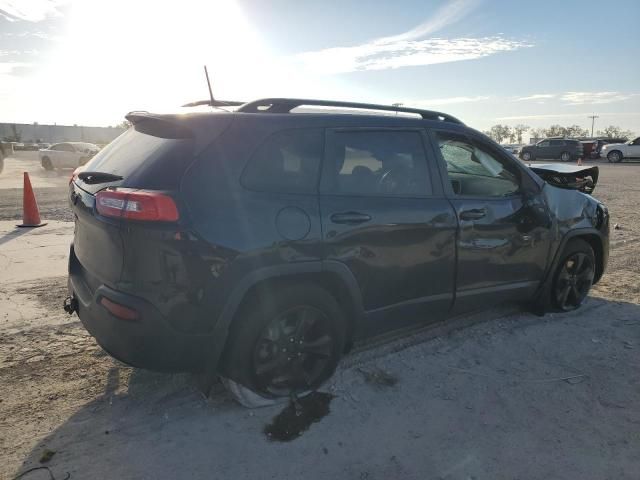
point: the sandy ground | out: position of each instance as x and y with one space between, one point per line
503 394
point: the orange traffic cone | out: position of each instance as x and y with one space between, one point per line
30 213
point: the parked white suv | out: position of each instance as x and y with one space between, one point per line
615 152
67 155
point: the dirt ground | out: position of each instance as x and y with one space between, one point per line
502 394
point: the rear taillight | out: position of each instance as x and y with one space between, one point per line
134 204
75 173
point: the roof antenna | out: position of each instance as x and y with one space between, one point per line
213 101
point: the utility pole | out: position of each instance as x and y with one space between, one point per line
593 120
397 105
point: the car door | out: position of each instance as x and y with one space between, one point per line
384 218
68 156
543 149
634 149
556 147
504 225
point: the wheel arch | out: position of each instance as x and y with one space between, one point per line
594 238
334 277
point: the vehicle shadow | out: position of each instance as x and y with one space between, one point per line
161 426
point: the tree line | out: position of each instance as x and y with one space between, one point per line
513 134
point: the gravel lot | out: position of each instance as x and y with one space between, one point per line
502 394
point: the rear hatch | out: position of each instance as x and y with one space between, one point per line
146 163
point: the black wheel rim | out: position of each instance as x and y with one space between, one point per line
564 157
294 352
574 281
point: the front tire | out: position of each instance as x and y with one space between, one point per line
526 156
574 276
287 342
614 157
565 156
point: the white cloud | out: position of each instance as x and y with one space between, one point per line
566 115
406 49
595 98
449 101
29 10
537 96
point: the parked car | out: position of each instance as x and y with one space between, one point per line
513 148
616 152
6 149
589 148
31 147
67 155
563 149
262 244
601 142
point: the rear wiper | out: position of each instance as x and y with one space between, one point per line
93 178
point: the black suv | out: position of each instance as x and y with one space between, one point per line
564 149
260 243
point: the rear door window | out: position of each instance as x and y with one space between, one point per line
376 162
287 162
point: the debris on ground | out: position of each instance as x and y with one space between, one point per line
298 416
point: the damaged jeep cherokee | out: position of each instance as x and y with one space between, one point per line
259 244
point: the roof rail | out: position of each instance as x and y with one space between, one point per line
215 103
285 105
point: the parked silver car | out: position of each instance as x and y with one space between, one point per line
67 155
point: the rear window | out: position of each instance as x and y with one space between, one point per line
144 161
287 162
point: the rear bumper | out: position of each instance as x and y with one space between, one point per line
148 342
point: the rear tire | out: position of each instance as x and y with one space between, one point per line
573 277
287 341
565 156
46 164
614 157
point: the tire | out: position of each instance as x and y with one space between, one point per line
615 156
46 164
565 157
526 156
287 342
573 277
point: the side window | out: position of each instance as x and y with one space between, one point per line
65 147
636 141
56 147
475 170
556 143
287 162
376 162
544 143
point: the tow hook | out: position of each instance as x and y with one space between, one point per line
70 305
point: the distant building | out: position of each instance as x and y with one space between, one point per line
36 133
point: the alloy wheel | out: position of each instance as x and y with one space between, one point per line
293 352
574 281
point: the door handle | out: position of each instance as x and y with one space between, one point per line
473 214
350 218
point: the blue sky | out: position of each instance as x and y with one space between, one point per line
485 61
